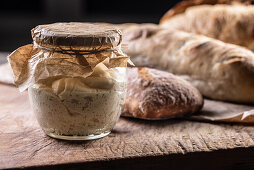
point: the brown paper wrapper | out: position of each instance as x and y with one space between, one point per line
32 63
218 111
213 111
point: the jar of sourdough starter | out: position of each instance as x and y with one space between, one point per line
76 78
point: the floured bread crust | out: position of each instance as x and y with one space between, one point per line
219 70
228 21
154 94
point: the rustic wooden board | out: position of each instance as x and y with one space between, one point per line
23 144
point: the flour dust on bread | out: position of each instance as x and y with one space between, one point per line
226 20
153 94
219 70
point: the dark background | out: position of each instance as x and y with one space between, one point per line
18 17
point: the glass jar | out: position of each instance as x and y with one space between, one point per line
77 108
76 79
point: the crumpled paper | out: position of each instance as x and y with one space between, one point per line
32 63
213 111
219 111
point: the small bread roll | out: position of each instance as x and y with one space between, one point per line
154 95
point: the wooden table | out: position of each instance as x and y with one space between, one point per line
133 144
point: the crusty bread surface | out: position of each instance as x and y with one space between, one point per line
228 21
154 94
219 70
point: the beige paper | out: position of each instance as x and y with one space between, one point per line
214 111
6 76
219 111
32 63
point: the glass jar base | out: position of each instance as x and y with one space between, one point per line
88 137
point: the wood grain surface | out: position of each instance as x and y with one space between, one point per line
132 144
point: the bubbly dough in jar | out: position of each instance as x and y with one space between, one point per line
80 106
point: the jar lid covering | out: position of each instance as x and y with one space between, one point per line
77 34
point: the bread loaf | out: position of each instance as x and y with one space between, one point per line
219 70
226 20
154 94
